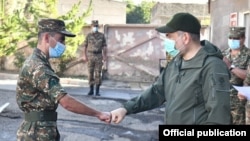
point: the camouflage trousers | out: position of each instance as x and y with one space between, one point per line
238 111
94 69
38 131
248 113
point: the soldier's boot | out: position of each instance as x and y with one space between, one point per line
91 90
97 90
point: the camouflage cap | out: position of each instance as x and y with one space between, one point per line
94 23
54 25
236 32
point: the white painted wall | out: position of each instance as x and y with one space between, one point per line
106 11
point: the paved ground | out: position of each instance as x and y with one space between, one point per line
80 87
72 127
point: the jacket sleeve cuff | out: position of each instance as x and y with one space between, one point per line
130 107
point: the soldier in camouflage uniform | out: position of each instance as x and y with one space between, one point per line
243 98
95 53
237 59
39 91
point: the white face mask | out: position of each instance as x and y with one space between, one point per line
95 29
170 46
234 44
57 51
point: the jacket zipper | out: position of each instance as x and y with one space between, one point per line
174 87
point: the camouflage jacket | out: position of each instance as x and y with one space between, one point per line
95 42
241 61
38 87
247 79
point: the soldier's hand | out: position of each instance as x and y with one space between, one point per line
105 116
241 96
118 115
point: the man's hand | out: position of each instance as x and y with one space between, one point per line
227 62
105 116
118 115
241 96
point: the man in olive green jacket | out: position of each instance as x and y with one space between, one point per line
195 84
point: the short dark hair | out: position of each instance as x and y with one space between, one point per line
195 37
40 34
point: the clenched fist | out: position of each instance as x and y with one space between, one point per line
118 115
104 116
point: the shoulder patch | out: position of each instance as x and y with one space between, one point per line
52 82
221 81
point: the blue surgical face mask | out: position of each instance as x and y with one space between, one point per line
169 46
234 44
95 29
57 51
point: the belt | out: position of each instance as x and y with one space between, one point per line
95 52
40 116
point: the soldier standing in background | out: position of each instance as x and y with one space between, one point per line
39 90
95 53
237 59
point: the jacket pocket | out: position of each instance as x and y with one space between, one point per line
219 84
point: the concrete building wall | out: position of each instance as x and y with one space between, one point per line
220 19
106 11
162 12
134 52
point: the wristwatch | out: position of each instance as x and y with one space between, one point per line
232 67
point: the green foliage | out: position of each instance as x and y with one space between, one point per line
146 8
75 24
10 34
139 14
21 25
19 59
33 11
